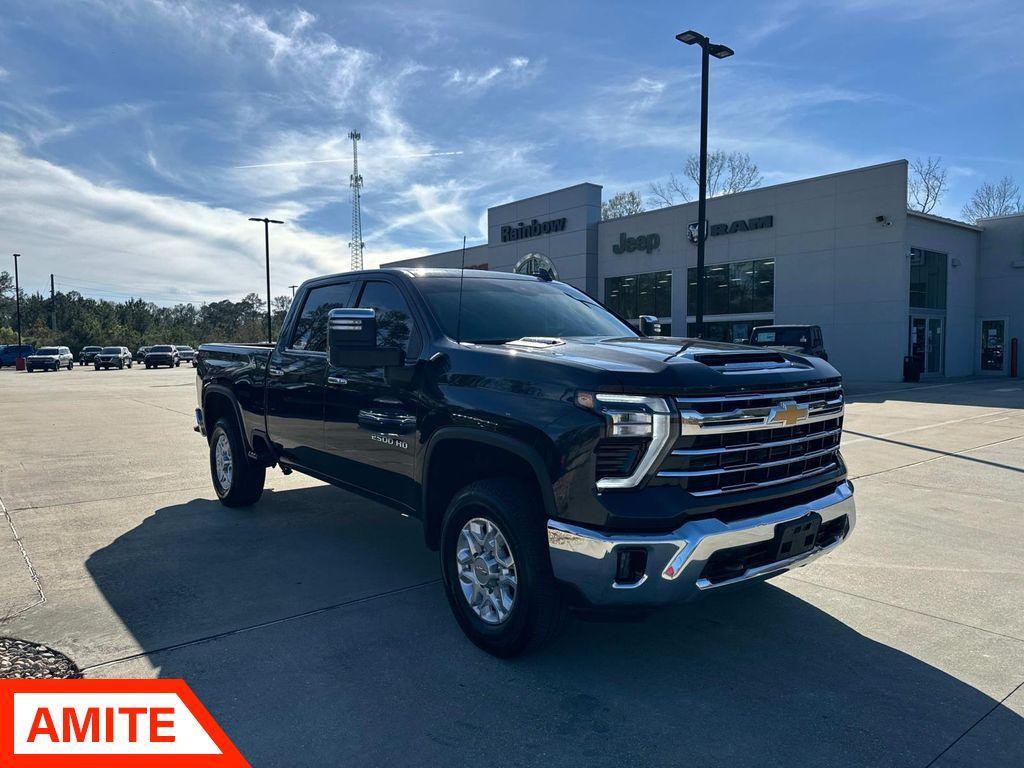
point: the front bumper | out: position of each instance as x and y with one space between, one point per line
676 562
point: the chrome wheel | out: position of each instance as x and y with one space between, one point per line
487 570
223 462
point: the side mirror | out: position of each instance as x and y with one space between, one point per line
352 340
649 325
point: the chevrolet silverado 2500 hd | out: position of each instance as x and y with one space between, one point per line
555 457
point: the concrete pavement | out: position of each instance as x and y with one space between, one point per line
315 629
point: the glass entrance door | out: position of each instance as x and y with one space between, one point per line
927 344
992 345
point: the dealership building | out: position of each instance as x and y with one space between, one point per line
839 251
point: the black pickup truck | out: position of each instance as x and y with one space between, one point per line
555 457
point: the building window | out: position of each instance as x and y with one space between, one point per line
927 279
742 287
728 330
533 263
634 295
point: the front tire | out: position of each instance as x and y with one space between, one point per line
497 569
237 480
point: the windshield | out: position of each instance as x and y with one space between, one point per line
48 351
111 351
782 337
90 349
161 349
496 310
185 349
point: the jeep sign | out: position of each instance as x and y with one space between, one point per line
740 225
646 243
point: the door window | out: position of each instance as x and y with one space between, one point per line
310 332
992 342
395 326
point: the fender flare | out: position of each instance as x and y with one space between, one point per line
220 389
513 445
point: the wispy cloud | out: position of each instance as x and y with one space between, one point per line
514 72
151 244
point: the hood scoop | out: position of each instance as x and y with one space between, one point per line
536 342
746 362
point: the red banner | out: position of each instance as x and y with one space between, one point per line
109 724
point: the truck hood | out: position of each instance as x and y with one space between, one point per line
670 364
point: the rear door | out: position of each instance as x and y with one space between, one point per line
296 375
371 423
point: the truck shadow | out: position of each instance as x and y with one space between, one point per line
373 670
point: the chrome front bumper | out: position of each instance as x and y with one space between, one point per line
676 561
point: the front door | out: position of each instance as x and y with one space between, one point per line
992 346
296 376
370 419
927 344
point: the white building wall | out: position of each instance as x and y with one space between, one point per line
1000 287
835 265
960 243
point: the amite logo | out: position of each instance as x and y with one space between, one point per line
109 723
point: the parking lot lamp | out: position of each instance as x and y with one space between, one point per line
266 240
18 363
707 49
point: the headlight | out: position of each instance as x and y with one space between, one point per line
631 416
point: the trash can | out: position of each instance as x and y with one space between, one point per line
911 371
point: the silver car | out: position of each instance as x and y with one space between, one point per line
186 354
50 358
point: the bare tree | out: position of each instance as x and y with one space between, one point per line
728 173
926 185
669 192
622 204
994 200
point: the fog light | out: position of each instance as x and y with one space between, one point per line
631 566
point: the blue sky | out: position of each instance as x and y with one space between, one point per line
126 127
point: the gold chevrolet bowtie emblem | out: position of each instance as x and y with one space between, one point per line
788 413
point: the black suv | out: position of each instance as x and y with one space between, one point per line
88 355
162 354
802 339
554 456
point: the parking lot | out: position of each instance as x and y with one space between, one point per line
314 625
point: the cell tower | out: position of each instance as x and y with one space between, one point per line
356 184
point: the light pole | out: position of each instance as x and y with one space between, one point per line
707 49
266 239
19 361
293 287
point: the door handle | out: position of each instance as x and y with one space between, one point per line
275 371
337 381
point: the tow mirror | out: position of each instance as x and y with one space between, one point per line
649 325
352 340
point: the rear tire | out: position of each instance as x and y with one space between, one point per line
237 481
537 610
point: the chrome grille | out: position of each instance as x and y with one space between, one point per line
739 441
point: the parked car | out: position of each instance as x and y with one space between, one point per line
50 358
10 354
801 339
140 354
554 456
163 354
88 355
113 357
186 354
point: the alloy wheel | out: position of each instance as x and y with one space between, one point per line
223 462
487 570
